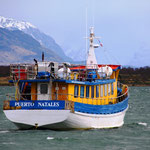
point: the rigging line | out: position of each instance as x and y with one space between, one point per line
105 52
115 59
107 56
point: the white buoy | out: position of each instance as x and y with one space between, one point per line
105 71
63 73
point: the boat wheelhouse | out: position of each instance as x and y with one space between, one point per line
66 96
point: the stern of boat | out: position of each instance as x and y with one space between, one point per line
28 114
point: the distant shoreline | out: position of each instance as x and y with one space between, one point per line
4 81
130 76
138 85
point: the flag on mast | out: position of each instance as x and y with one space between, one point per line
101 44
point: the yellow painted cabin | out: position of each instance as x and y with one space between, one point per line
100 92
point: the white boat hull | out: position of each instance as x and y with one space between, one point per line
36 118
81 120
63 119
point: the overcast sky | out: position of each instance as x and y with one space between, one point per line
123 25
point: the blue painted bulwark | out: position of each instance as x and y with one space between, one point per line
96 82
40 104
101 109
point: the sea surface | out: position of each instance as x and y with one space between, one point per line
133 135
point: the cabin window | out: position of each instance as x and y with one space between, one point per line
108 89
76 87
112 88
87 91
105 89
63 88
101 90
82 91
92 91
97 91
43 88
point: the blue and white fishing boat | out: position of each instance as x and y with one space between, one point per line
65 96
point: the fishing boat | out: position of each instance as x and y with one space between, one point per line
66 96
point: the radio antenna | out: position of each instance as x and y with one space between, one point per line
93 12
86 26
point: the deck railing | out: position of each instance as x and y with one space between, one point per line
69 97
22 71
30 71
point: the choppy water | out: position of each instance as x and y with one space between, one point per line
134 135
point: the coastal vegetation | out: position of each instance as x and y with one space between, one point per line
4 75
135 76
130 76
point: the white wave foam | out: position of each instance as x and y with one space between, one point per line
50 138
7 143
4 131
142 123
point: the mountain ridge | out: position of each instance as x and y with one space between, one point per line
17 46
26 27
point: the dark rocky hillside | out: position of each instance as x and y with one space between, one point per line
16 46
4 71
48 42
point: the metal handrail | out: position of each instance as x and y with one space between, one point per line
11 96
30 72
126 93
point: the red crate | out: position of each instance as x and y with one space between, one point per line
20 74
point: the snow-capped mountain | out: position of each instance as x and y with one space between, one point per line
45 40
10 23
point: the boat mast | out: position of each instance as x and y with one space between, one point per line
91 62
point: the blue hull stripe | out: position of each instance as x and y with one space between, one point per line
101 109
